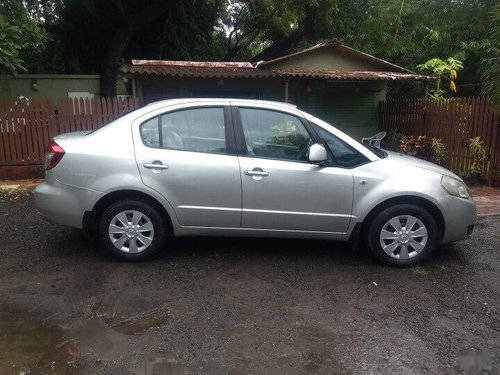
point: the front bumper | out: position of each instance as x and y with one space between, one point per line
459 217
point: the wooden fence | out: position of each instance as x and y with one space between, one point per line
27 125
454 121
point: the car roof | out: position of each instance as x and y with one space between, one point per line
155 107
256 102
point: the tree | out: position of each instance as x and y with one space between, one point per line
99 34
427 28
95 36
405 32
491 75
10 44
442 70
20 35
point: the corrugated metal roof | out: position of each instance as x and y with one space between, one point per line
194 64
201 70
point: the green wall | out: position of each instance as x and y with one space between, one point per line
51 85
326 58
153 88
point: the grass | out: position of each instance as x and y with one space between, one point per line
12 194
418 271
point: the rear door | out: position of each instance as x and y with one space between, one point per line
187 155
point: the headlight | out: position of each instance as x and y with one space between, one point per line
454 187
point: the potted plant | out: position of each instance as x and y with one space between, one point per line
439 152
415 146
478 156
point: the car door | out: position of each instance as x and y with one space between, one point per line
281 189
187 155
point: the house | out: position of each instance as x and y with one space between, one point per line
54 86
337 83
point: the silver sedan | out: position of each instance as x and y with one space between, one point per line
231 167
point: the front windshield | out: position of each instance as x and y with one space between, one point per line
376 150
366 151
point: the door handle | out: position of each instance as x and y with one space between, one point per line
155 166
257 173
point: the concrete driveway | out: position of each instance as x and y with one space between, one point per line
242 306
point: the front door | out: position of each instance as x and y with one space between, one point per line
186 155
281 189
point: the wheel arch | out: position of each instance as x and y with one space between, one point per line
406 199
91 218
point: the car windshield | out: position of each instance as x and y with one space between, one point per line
376 150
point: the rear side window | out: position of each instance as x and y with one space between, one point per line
344 155
195 129
150 134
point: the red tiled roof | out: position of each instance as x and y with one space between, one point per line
351 75
204 72
246 70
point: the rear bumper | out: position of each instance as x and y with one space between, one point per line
459 218
64 204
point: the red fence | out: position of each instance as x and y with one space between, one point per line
454 121
27 125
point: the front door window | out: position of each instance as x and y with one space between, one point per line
274 135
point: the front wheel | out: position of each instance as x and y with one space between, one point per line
402 235
132 230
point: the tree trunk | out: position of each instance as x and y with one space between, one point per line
111 61
129 27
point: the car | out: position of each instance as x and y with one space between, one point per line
237 167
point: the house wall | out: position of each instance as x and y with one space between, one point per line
51 85
327 58
350 106
153 88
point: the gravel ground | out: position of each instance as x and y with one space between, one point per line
241 306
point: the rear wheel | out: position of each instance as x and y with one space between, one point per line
132 230
402 235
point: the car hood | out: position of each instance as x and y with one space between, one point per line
419 163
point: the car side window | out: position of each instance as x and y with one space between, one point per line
194 129
150 134
275 135
345 156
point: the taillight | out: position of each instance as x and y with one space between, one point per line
54 155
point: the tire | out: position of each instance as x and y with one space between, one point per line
404 245
132 230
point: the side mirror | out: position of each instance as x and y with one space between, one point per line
317 153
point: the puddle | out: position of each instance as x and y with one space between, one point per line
160 367
33 346
94 339
104 339
141 323
28 345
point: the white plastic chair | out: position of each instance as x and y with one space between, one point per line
374 140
